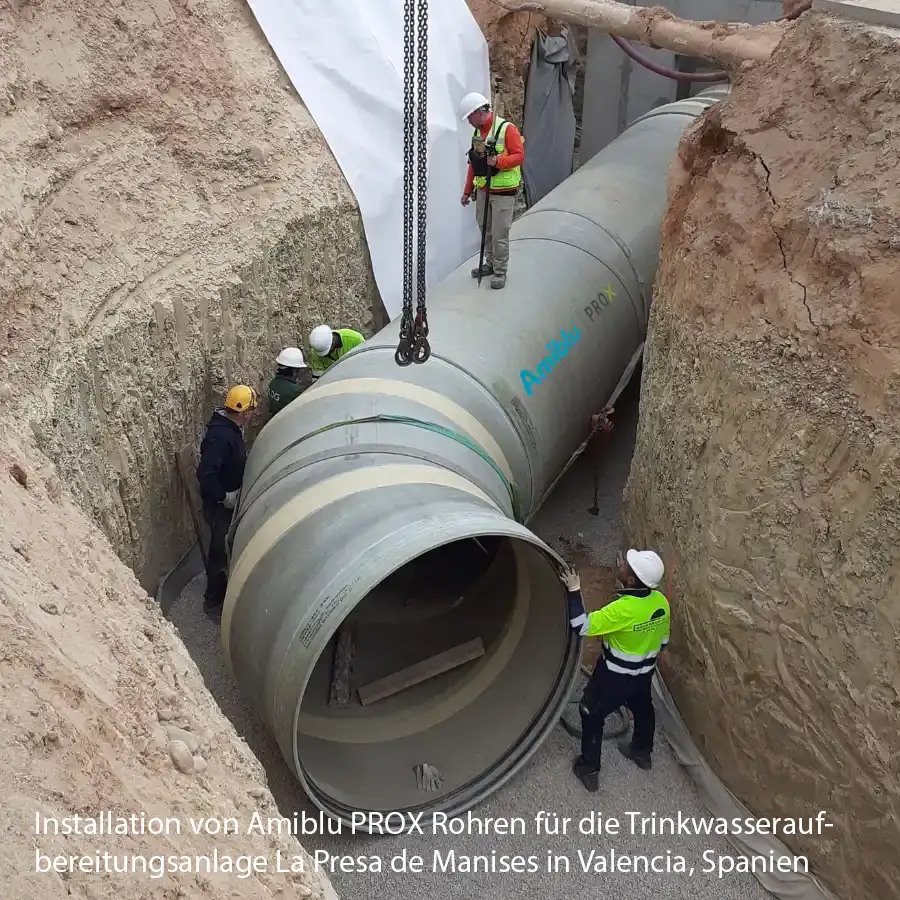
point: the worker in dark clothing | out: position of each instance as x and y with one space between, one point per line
291 379
223 455
635 629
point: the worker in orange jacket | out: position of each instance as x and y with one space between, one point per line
499 150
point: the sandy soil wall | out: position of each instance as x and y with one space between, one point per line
767 467
170 217
509 37
102 709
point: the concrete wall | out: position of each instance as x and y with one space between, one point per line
617 90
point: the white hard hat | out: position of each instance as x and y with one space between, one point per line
647 566
470 103
320 339
291 358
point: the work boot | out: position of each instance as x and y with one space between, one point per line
641 761
589 777
498 282
483 272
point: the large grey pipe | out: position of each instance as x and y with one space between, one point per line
395 498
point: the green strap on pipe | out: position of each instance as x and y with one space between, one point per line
437 429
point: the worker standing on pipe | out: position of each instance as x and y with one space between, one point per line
498 152
635 629
291 379
223 455
327 346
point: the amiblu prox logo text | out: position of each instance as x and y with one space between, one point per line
557 350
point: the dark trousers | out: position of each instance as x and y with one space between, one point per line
219 520
604 694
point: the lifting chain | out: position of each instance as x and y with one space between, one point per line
413 345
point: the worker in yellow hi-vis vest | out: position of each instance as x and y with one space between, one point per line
498 153
635 629
327 345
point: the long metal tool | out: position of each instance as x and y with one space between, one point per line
484 221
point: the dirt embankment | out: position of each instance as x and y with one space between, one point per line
510 37
170 217
767 466
103 710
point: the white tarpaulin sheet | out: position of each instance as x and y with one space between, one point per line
345 58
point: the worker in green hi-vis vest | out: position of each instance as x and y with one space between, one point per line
497 155
634 628
328 345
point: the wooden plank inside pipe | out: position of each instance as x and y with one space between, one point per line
342 667
421 671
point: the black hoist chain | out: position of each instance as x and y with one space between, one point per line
413 345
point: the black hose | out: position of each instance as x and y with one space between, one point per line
674 74
608 735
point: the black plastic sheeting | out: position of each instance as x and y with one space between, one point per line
549 117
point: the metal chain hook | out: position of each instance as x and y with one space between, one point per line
422 349
413 345
403 356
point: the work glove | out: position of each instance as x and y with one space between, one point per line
577 615
569 577
230 499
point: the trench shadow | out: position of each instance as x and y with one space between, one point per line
569 521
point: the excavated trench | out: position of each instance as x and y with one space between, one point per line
248 245
349 493
143 365
545 781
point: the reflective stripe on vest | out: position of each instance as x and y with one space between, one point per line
505 179
634 649
630 663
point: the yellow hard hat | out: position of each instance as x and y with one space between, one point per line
241 398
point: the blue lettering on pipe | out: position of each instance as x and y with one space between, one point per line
556 351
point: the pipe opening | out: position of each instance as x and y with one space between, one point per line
476 722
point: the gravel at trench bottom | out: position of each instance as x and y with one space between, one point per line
545 784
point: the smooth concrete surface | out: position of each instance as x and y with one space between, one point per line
546 783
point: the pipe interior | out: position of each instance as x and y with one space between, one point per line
467 722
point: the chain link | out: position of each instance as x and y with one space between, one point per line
413 345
